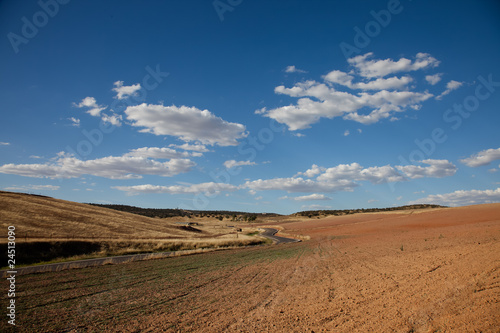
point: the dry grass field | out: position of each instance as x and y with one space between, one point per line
432 271
48 229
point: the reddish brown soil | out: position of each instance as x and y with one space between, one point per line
433 271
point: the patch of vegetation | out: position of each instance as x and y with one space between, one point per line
30 253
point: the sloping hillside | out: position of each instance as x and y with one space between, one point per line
38 217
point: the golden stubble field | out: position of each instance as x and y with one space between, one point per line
64 229
427 271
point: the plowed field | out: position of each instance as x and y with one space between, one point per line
432 271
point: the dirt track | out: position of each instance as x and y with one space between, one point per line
271 234
436 271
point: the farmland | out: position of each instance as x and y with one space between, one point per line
418 271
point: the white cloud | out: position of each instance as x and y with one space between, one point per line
232 163
4 143
33 188
329 103
293 69
461 198
433 79
187 123
195 147
35 156
293 185
450 86
206 188
311 197
345 79
380 68
346 177
346 133
158 153
114 119
484 157
313 171
91 103
96 111
123 92
436 168
355 172
113 167
318 100
74 121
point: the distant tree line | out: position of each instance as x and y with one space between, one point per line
170 212
313 213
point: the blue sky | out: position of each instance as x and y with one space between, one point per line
251 105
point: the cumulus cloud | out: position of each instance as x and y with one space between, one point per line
187 123
123 92
436 169
433 79
113 167
205 188
343 177
461 198
316 100
93 108
355 172
293 69
346 177
484 157
450 86
232 163
380 68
